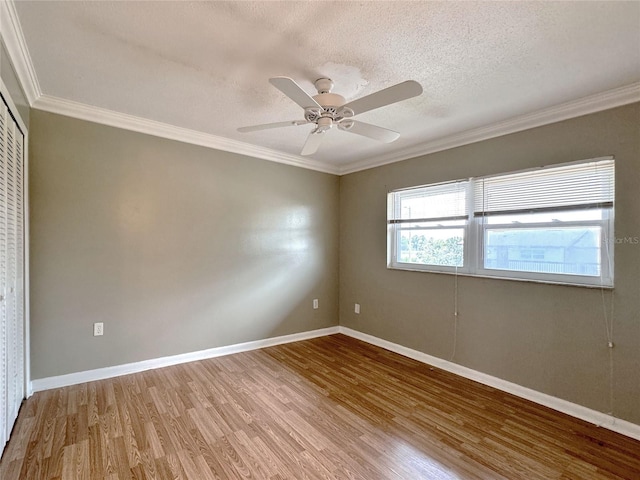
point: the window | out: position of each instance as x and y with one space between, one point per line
429 225
551 224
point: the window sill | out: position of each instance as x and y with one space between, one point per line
495 277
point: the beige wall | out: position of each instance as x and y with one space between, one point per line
176 248
545 337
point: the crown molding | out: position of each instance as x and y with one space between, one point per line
13 39
142 125
584 106
12 36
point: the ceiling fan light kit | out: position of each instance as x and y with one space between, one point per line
326 110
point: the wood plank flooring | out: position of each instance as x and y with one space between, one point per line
327 408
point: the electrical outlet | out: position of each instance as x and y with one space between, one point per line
357 309
98 329
315 303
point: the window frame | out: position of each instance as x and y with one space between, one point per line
394 228
475 229
606 258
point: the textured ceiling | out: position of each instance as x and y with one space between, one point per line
205 66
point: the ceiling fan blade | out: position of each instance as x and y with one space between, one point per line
368 130
292 90
265 126
396 93
313 143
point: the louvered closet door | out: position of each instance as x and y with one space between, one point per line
4 424
11 272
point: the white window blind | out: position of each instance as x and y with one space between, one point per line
445 201
567 187
552 224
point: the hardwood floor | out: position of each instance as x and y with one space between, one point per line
331 407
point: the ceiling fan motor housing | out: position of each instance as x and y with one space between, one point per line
327 100
331 104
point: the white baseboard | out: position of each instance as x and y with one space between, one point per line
592 416
125 369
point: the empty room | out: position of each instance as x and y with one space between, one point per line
319 240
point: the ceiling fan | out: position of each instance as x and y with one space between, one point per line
326 110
